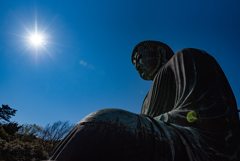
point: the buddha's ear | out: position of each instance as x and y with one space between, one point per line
162 52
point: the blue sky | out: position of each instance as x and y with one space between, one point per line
84 63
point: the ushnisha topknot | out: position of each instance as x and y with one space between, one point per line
152 45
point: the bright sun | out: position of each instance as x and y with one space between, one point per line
36 39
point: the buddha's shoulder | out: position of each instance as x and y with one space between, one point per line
187 51
192 52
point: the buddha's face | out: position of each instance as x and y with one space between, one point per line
146 62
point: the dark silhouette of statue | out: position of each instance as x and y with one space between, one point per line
190 113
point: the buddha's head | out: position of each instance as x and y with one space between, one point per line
149 56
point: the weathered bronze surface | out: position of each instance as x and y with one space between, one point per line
190 113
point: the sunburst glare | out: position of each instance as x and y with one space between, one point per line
36 39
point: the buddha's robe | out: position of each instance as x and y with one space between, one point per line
191 82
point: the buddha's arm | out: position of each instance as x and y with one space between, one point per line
161 96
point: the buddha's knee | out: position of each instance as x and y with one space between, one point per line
109 134
119 119
112 117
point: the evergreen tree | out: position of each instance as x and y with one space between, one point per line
6 112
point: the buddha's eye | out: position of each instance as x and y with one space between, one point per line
137 57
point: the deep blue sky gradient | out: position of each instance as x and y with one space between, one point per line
86 64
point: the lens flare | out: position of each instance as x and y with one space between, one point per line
191 116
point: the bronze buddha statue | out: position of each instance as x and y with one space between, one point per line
190 113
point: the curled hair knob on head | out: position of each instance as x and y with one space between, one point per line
152 45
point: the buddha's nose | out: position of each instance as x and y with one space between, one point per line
137 65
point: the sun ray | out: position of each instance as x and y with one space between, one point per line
37 38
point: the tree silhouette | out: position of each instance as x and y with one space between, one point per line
11 128
6 112
52 134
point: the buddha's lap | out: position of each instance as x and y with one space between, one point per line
114 134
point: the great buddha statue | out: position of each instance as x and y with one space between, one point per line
189 114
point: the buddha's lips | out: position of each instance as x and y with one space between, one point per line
143 73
